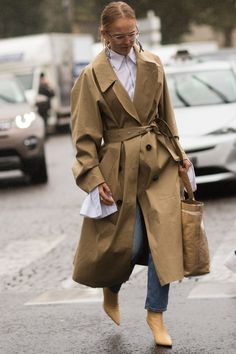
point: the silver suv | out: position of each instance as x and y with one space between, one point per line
204 99
22 132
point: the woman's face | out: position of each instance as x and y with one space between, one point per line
121 35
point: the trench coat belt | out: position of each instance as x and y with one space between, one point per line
119 135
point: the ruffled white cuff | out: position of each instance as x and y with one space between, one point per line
93 208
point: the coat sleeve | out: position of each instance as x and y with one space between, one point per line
87 132
166 112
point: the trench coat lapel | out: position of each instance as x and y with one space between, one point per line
107 77
147 81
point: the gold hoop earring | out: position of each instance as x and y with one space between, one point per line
107 50
140 46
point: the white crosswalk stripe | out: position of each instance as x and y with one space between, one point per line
19 254
67 296
70 293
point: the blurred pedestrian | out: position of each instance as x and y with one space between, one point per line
45 90
120 98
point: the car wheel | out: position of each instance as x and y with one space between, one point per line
37 170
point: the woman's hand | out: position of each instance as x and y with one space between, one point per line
184 167
105 194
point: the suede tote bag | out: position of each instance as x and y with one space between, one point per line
195 245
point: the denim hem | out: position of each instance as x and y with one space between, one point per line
155 310
114 289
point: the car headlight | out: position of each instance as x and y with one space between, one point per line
24 121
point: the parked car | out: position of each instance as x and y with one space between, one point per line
204 99
225 54
22 132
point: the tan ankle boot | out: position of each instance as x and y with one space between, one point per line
110 305
160 334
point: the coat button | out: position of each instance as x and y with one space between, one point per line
119 202
148 147
155 178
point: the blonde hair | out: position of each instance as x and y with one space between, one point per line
113 11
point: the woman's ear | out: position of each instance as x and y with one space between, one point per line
104 37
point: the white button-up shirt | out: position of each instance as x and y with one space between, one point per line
125 68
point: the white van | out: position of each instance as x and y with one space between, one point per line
52 54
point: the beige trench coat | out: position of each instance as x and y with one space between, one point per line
137 162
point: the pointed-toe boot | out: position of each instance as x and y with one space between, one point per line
111 305
160 334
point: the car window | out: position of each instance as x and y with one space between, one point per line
202 88
10 91
26 80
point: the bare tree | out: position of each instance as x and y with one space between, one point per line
218 14
20 17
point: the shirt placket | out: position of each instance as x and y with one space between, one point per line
130 78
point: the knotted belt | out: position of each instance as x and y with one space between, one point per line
119 135
122 134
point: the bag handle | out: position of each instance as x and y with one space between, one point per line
187 185
184 175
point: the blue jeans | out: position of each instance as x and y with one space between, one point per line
157 295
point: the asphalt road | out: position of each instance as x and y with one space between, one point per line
43 311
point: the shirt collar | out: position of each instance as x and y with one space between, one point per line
117 59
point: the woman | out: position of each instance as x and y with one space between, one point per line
125 150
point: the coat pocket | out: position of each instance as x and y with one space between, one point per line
109 166
108 158
117 196
113 218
